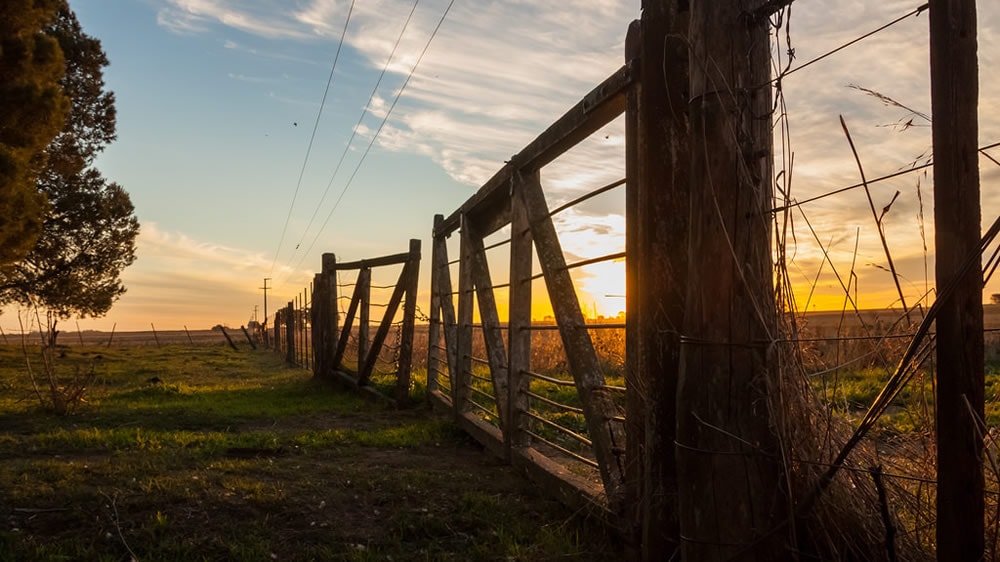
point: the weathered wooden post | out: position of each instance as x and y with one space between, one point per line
603 427
318 321
657 199
307 356
249 339
443 306
290 333
434 331
957 216
276 327
729 472
496 353
461 379
229 340
364 323
411 280
519 323
328 319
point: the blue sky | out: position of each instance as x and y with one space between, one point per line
217 100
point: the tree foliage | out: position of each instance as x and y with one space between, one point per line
88 235
33 108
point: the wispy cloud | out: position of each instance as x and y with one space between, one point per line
499 72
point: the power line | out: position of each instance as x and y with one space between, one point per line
380 127
319 114
925 165
915 11
354 131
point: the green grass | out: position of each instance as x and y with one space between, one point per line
851 392
232 456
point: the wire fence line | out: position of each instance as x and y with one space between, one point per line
557 395
316 332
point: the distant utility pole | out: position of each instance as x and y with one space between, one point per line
265 287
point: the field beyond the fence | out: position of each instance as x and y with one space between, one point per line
205 453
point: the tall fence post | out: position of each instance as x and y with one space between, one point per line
606 433
443 321
328 322
304 327
276 338
290 333
728 467
364 282
957 215
489 319
404 368
519 325
434 331
318 320
461 377
657 199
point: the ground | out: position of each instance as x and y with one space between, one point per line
204 453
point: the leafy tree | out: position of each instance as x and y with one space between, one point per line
33 108
88 235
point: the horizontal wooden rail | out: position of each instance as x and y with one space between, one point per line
598 108
586 196
599 259
394 259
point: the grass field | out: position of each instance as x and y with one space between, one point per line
204 453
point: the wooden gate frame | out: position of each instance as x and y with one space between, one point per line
513 196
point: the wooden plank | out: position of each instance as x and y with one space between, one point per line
496 352
460 375
404 366
491 216
635 397
607 435
518 324
959 325
365 372
331 318
317 318
486 434
659 255
448 318
394 259
728 462
290 333
434 331
598 108
345 333
364 286
575 492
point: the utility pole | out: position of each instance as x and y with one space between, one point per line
264 325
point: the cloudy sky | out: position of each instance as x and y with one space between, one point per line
239 173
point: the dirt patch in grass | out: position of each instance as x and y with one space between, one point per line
248 460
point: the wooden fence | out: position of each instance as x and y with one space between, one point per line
311 334
681 454
501 413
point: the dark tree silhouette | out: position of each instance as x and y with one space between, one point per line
33 108
88 235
